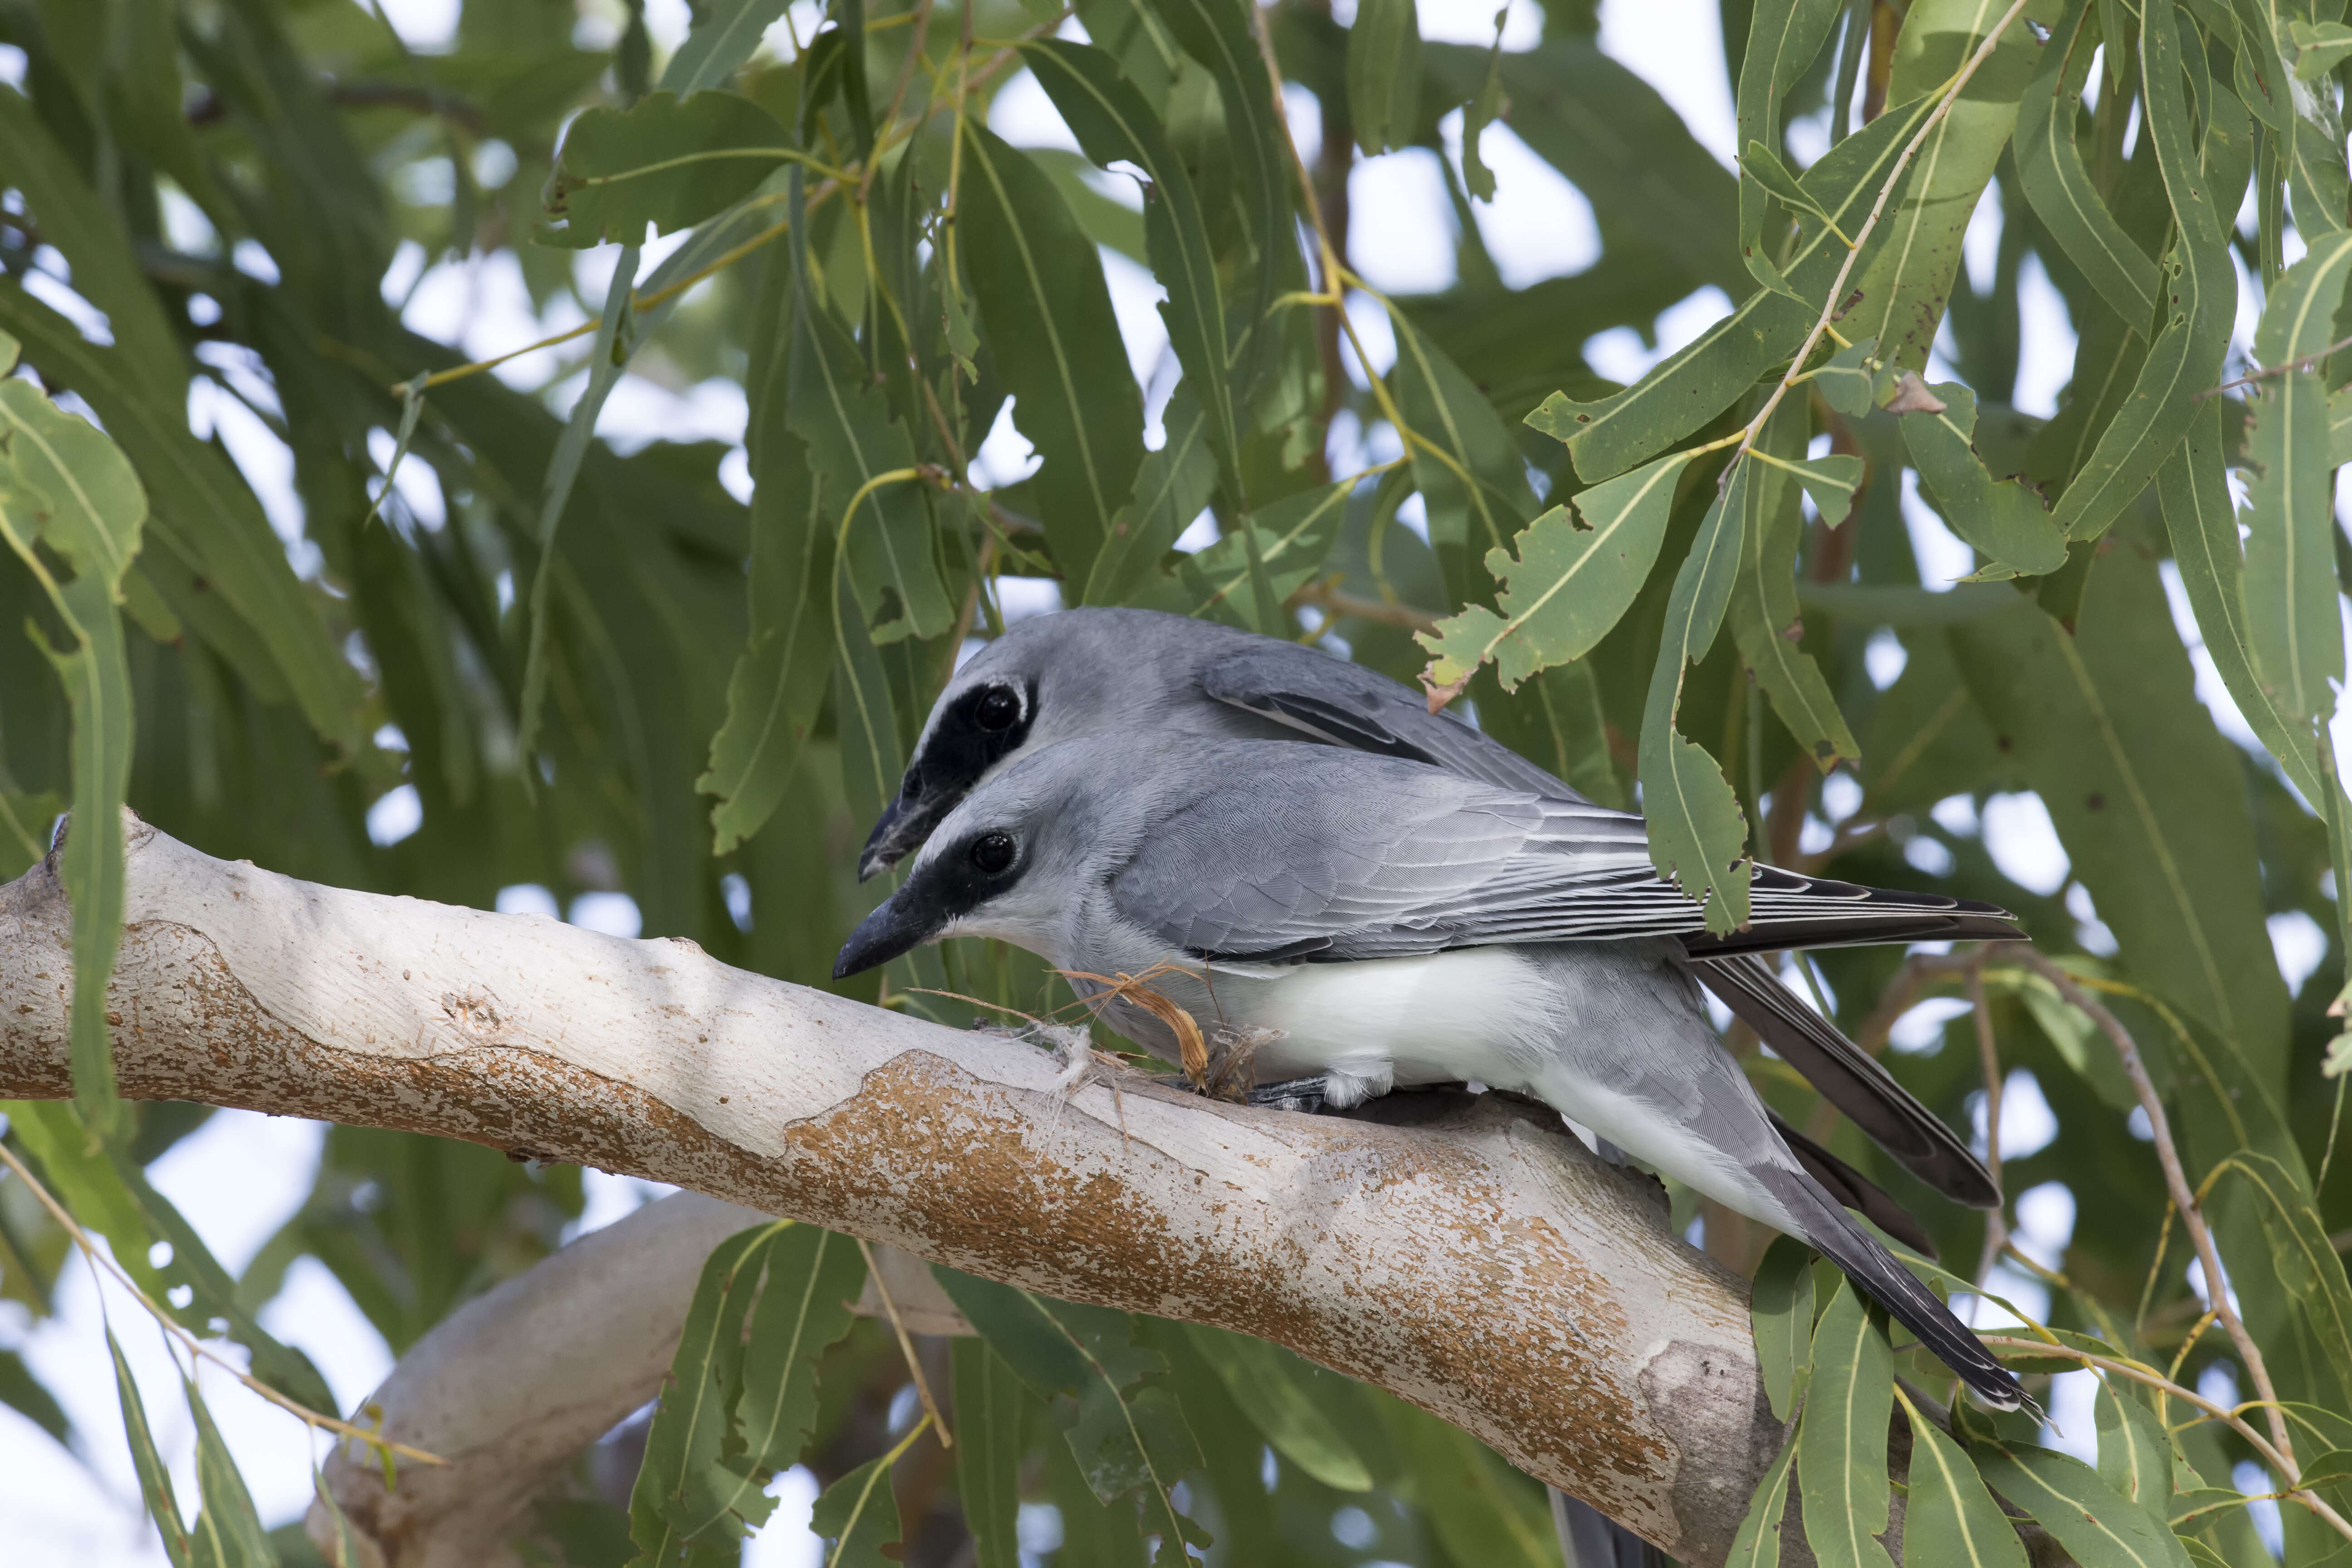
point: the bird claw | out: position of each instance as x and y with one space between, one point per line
1305 1095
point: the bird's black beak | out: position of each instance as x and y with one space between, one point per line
903 825
892 928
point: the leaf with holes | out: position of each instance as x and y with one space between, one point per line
2000 518
665 160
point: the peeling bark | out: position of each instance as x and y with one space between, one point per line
1478 1262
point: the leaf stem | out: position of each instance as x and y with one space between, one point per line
906 1345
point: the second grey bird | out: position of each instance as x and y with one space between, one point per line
1368 923
1143 674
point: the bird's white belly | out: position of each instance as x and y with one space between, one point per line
1443 1018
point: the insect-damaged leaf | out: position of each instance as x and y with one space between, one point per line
858 1517
1697 833
1842 1444
2001 518
2051 169
1574 578
1855 379
2289 581
665 161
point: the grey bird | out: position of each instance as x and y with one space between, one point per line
1367 923
1143 673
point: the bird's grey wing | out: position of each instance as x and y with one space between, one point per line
1852 1079
1281 851
1348 705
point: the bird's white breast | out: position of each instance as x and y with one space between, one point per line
1441 1018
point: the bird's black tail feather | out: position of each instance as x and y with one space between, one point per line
1877 1275
1590 1539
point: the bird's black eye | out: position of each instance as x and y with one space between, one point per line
992 853
997 709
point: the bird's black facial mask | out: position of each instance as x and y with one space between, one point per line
949 887
980 729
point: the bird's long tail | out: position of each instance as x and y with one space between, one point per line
1878 1276
1590 1539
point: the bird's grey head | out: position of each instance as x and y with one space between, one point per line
1049 678
1010 861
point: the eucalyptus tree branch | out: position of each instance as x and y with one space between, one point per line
1479 1264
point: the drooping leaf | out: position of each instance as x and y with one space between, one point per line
2135 1450
2066 1498
665 160
1113 125
1384 76
1575 575
1481 1510
1757 1543
2001 518
812 1283
155 1477
227 1533
2050 168
990 1403
65 483
1842 1442
1262 1381
1784 37
1172 486
1764 603
857 1517
1781 1312
2289 577
1855 380
723 37
1474 482
1698 836
1245 577
1056 343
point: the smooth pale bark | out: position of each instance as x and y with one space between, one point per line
1480 1264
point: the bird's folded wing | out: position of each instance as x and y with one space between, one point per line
1350 705
1284 853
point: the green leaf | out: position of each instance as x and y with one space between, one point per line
1757 1543
1125 1432
1473 479
1855 379
1575 576
990 1403
204 528
2185 357
155 1476
2194 490
1829 482
2290 580
1040 287
1764 618
2135 1451
723 37
2051 169
2002 519
1949 1520
1482 1510
1842 1442
227 1533
2306 1261
1784 38
65 483
687 1497
1486 106
873 758
23 1393
1279 548
1780 1313
1113 125
1172 486
1384 77
2320 47
2147 797
1263 1381
1761 164
814 1279
858 1516
780 675
1689 388
2066 1498
608 357
665 161
1915 248
1698 834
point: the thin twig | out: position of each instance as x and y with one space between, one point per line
195 1346
890 117
2192 1218
1989 1057
1831 311
2263 372
1338 604
905 1344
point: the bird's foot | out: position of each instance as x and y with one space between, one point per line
1309 1095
